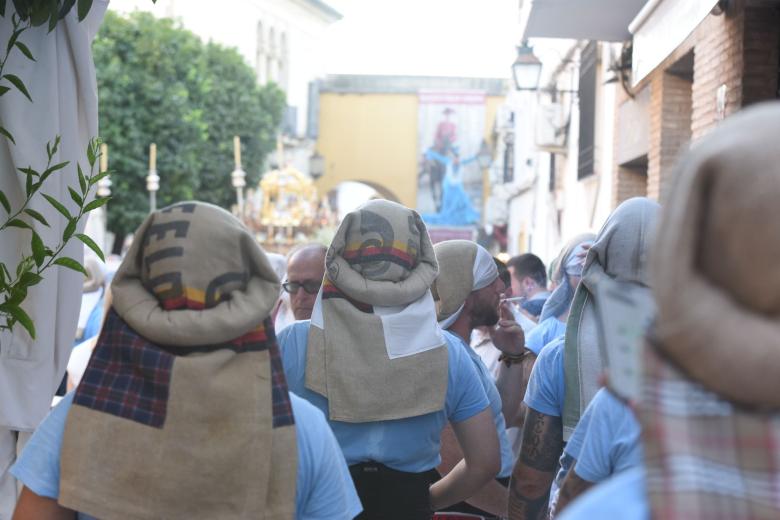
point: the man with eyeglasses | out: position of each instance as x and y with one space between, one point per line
305 270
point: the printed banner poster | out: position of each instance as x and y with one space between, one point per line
451 127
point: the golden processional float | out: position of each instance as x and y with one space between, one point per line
284 210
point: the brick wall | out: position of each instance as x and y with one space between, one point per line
739 49
718 61
761 51
628 182
670 129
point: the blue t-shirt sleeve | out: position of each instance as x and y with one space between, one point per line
292 345
545 392
535 340
611 441
325 489
543 334
38 467
574 446
465 393
621 497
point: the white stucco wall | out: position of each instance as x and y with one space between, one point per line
584 204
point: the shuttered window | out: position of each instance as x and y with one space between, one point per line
587 95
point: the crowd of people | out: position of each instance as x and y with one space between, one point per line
631 379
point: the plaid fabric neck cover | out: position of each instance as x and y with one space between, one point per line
183 411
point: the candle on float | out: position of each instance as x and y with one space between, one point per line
237 150
103 157
152 157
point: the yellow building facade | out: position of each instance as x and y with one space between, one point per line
368 130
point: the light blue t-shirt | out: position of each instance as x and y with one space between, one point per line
544 333
496 406
546 387
569 456
411 445
324 485
622 496
611 444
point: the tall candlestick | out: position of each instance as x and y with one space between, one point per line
237 150
152 157
103 157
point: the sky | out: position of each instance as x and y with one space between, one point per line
471 38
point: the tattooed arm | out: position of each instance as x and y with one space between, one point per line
573 486
534 470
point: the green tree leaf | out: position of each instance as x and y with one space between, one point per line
82 180
53 17
66 7
70 263
96 178
58 206
28 185
29 279
19 292
37 216
18 84
22 47
6 132
75 196
22 317
91 244
18 224
38 249
69 230
52 169
96 204
12 39
83 8
24 266
91 156
4 202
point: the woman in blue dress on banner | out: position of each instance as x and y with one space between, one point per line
456 207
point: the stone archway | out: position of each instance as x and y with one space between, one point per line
385 192
347 195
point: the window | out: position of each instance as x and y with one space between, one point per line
551 185
509 158
283 61
587 95
270 65
260 54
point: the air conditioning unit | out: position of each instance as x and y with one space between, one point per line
551 128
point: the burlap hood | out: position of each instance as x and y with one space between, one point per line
183 411
464 267
715 265
166 288
619 253
375 350
711 389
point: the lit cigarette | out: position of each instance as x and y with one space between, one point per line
514 299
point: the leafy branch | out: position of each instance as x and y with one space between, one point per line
29 271
41 257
